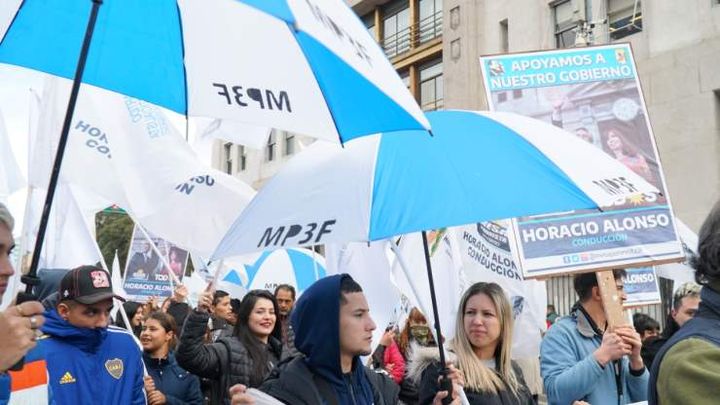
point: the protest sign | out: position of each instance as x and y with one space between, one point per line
641 286
146 275
594 93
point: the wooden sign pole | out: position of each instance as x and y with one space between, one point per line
612 302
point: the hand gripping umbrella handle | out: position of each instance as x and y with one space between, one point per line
22 297
446 385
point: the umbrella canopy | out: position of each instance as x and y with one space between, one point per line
476 167
296 267
305 66
266 270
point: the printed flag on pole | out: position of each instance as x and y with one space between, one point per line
11 178
128 152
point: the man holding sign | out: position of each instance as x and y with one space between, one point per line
582 360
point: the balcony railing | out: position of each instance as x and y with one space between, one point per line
433 105
413 36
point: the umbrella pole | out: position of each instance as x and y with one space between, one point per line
445 383
31 278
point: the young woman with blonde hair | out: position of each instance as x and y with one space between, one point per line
480 350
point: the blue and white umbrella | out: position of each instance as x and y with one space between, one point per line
477 167
307 66
265 271
297 267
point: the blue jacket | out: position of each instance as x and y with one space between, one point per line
91 366
179 386
316 322
4 388
571 372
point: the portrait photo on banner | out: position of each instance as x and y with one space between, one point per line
148 274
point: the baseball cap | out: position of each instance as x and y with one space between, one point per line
87 285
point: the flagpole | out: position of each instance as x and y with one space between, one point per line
213 283
315 264
31 278
121 308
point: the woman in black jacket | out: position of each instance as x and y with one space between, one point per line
246 357
167 383
480 350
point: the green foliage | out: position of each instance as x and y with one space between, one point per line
114 232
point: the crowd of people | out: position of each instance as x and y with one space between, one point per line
317 349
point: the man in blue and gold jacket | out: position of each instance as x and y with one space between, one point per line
89 362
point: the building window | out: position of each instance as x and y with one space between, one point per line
504 36
502 97
242 158
227 157
369 21
430 20
517 93
396 28
270 148
431 86
624 18
565 24
289 143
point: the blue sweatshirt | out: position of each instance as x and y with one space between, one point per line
316 322
91 366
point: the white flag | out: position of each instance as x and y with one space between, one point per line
70 237
681 273
128 152
447 276
117 284
87 161
11 179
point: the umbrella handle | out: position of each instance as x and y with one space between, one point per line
446 385
22 297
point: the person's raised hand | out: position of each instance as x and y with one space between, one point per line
456 375
19 328
612 348
631 338
387 338
205 301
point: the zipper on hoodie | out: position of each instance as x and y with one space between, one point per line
348 382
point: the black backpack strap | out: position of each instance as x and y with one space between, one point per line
326 391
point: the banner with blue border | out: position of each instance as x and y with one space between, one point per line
641 287
595 94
